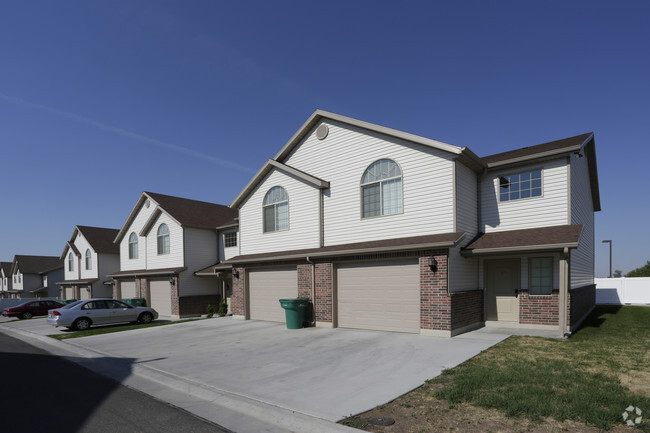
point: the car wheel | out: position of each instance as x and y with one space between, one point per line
26 315
81 324
145 318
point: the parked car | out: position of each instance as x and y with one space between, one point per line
29 309
82 315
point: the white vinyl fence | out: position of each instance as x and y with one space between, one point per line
623 290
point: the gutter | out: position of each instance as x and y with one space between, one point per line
505 250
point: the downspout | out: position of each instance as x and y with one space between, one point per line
564 292
313 287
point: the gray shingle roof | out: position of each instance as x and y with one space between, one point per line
37 264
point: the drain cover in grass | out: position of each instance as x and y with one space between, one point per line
377 420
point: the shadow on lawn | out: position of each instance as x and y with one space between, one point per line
596 319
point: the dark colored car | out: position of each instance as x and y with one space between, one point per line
29 309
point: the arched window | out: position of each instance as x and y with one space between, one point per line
381 189
70 262
163 239
276 210
89 260
133 246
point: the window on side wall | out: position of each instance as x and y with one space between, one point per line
89 260
540 275
276 210
133 246
381 189
70 262
520 186
230 239
163 239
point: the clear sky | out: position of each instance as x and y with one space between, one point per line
101 100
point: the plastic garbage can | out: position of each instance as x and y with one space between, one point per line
294 311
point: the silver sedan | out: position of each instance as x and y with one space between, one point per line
82 315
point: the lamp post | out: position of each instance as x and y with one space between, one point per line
609 241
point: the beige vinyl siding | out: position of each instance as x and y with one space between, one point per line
200 248
190 285
463 271
229 252
550 209
466 201
303 217
266 288
139 221
101 290
175 256
344 156
82 245
379 296
107 264
160 296
582 212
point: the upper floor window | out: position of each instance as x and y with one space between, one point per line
230 239
163 239
133 246
522 185
19 278
70 262
381 189
540 275
276 210
89 260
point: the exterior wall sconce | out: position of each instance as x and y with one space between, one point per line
235 273
433 264
172 281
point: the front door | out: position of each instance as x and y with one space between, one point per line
501 290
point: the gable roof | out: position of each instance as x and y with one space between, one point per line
6 266
570 144
36 264
186 212
100 240
543 238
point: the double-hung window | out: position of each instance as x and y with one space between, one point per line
276 210
540 275
381 189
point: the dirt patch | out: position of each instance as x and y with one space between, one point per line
418 412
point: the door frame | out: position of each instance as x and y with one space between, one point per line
487 295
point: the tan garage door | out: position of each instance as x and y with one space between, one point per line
128 289
160 296
380 296
84 293
266 287
69 293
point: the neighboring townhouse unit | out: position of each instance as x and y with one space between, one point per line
163 242
89 256
6 282
36 276
390 231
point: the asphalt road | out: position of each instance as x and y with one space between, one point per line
40 392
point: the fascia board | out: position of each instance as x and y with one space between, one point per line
152 219
532 158
131 217
525 248
251 185
319 183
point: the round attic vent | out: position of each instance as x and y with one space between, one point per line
322 131
146 204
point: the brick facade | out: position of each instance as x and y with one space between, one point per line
539 309
237 304
467 308
581 301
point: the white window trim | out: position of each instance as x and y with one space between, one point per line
517 200
158 239
274 205
381 197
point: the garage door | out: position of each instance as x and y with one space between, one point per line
381 296
84 293
128 289
69 293
160 296
266 287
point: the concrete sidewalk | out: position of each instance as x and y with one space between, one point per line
245 375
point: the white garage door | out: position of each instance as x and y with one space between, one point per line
381 296
160 296
266 288
128 289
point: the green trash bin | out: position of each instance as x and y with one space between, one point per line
135 302
294 311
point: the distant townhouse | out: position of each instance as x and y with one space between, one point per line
386 230
36 276
163 243
6 282
90 255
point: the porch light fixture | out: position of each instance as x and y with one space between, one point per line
433 264
235 273
172 281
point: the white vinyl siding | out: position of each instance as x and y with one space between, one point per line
200 249
466 201
175 256
379 296
463 271
226 253
82 245
139 221
266 288
582 212
303 216
68 274
344 156
549 210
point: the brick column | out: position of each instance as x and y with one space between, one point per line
435 302
323 304
237 300
174 294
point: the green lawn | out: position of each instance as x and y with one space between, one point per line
590 378
111 329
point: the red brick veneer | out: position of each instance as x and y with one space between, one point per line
539 309
195 305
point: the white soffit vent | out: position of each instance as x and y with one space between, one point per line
322 131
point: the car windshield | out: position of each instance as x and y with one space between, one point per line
71 305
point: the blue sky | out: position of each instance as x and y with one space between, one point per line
102 100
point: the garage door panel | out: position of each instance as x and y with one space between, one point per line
160 296
128 289
266 287
380 296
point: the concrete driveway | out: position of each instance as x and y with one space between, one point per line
326 373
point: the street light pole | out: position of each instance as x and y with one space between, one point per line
609 241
